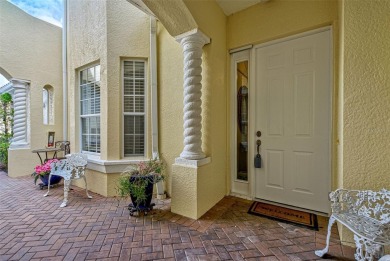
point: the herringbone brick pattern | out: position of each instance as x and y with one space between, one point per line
35 228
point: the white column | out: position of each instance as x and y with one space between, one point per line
192 43
20 128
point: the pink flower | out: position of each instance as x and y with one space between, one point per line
44 168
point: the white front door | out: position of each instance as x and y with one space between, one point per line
293 113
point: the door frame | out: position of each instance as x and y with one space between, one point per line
239 188
252 100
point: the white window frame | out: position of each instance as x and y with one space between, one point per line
88 115
48 105
144 113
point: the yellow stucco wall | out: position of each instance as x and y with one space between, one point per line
128 35
170 98
185 191
206 185
278 18
105 33
30 49
173 14
87 44
100 183
366 96
212 178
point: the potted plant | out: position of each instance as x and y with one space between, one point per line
42 172
137 182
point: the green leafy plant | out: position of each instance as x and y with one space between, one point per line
4 145
134 180
6 121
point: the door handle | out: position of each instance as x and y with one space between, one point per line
258 156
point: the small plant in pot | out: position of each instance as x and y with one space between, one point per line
137 182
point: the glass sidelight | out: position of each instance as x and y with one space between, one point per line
242 120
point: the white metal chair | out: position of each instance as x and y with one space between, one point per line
367 214
71 168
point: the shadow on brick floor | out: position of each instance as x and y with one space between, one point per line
35 228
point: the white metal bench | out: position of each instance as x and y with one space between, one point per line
73 167
367 214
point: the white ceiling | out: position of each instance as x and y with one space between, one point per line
228 6
233 6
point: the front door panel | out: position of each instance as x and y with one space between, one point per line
293 109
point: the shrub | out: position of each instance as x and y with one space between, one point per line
4 145
6 133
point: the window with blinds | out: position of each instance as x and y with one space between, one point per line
90 109
134 108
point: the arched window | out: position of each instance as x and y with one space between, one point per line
48 105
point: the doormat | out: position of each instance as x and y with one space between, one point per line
288 215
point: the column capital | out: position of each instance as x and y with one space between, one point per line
19 83
194 35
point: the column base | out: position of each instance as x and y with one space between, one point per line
192 155
192 163
188 194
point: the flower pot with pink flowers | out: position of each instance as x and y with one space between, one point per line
42 172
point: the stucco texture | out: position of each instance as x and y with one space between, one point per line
278 18
173 14
170 98
100 183
206 185
105 33
30 49
87 44
366 95
366 155
110 32
185 191
128 33
212 180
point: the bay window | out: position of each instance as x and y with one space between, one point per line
90 109
134 108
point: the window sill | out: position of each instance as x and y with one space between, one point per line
111 166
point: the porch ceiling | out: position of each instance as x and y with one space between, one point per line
228 6
233 6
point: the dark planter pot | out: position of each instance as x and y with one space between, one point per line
146 205
53 180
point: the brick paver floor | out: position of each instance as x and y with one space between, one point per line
35 228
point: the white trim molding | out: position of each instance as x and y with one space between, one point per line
192 43
192 163
21 114
111 166
240 188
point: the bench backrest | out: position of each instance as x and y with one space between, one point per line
71 168
374 204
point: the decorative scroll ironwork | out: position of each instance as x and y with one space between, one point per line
71 168
367 214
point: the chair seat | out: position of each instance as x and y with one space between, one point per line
366 227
